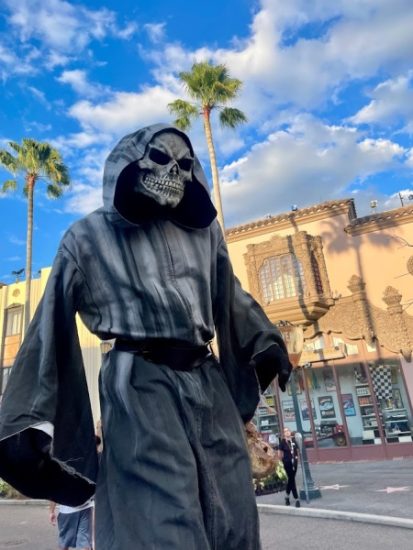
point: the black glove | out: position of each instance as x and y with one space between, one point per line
272 362
26 464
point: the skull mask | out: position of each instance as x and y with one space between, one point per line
165 169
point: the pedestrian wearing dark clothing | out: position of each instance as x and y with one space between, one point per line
288 451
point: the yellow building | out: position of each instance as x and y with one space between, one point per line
348 282
12 299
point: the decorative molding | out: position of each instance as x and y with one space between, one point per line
325 354
285 220
381 220
357 319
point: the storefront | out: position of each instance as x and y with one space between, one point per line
351 408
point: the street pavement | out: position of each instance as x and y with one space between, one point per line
367 505
382 489
26 527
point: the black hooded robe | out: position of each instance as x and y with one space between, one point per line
175 471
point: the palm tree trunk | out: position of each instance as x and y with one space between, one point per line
29 249
214 170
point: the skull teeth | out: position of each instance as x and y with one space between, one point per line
164 185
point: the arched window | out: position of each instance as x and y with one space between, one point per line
281 277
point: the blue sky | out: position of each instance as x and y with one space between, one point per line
328 92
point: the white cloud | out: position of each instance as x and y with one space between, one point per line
38 126
11 64
85 193
156 31
392 102
39 95
70 144
77 79
125 111
13 239
58 24
84 199
128 31
56 59
279 66
306 163
14 259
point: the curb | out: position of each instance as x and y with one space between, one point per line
333 514
23 502
390 521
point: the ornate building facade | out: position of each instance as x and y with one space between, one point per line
348 282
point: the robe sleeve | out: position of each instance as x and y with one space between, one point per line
47 388
251 349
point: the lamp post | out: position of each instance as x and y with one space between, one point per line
294 340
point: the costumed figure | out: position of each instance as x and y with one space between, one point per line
151 270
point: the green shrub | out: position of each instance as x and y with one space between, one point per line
7 491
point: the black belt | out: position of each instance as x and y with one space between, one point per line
178 356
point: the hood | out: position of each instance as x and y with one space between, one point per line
125 205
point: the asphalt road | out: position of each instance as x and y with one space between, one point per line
27 528
325 534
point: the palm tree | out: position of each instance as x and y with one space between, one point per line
35 160
211 88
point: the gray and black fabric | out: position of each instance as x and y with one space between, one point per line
179 475
168 277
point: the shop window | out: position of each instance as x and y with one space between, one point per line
375 402
281 277
357 401
288 408
266 417
391 397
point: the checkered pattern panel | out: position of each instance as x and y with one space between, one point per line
381 376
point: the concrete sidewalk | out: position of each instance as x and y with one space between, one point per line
372 492
368 492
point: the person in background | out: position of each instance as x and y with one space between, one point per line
75 525
288 452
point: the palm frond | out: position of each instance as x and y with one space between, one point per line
36 159
9 185
54 191
230 117
184 112
210 84
8 161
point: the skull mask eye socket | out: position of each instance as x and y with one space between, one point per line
158 156
185 164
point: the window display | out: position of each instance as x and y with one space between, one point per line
391 397
371 400
266 418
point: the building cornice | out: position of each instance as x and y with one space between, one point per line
379 221
291 219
